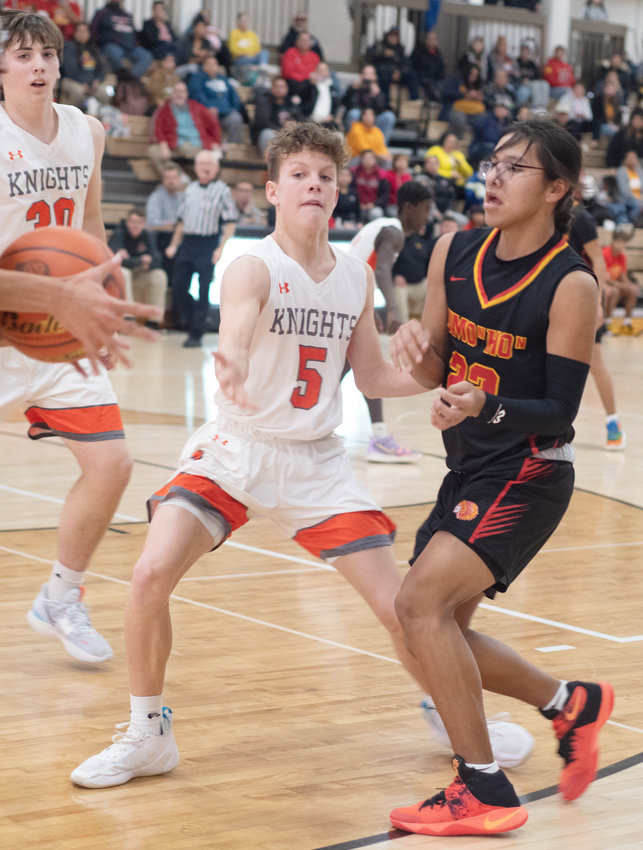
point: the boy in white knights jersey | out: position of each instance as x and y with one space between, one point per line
50 175
292 310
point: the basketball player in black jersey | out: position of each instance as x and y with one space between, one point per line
507 334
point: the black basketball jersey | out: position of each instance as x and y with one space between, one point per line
498 316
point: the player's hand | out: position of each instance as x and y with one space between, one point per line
454 405
232 377
409 345
93 316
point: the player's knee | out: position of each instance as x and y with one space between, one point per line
151 584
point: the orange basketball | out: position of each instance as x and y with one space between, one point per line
56 252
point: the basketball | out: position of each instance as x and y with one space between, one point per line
55 252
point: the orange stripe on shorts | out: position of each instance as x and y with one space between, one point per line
99 422
233 512
346 533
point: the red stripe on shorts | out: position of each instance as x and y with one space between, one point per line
234 513
98 422
346 533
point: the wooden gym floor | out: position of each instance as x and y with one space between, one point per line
297 728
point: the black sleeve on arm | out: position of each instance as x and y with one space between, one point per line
551 415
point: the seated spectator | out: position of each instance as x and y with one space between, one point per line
558 73
365 136
347 213
580 110
619 209
82 71
157 34
531 89
617 65
561 117
320 97
427 68
475 190
475 54
248 213
365 93
607 107
620 288
199 41
274 109
595 11
161 79
113 30
389 60
499 59
182 128
298 62
65 15
499 88
462 100
397 176
211 87
627 138
162 212
452 163
130 95
489 129
595 201
475 215
373 189
145 280
444 193
299 24
629 182
246 52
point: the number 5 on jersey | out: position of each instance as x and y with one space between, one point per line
307 396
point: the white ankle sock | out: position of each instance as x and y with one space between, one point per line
484 768
146 712
61 580
560 698
379 430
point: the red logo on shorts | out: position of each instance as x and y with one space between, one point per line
198 454
466 510
284 287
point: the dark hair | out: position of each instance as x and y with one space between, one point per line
559 154
139 211
444 135
306 135
23 28
413 192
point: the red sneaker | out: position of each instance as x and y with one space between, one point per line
577 727
475 803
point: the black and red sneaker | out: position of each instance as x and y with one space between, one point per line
577 728
475 803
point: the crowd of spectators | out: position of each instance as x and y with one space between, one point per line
201 88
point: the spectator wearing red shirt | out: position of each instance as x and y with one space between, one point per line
559 73
397 176
373 189
618 286
182 128
298 63
65 16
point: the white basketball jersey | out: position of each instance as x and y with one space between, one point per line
299 346
362 245
40 184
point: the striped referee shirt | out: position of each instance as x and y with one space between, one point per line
204 208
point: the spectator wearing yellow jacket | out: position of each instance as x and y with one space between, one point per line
364 135
245 51
453 163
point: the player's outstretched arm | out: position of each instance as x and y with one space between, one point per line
375 376
420 347
244 291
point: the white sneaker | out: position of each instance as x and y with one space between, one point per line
135 752
510 743
68 620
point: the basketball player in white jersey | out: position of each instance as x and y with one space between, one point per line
50 175
378 243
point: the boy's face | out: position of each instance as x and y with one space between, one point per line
306 189
31 69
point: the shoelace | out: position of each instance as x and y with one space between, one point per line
121 739
75 614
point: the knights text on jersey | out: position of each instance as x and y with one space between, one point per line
498 315
44 184
299 346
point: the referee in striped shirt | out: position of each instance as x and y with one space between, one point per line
207 219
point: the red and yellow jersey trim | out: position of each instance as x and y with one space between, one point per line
523 283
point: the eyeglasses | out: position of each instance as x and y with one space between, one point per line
504 170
